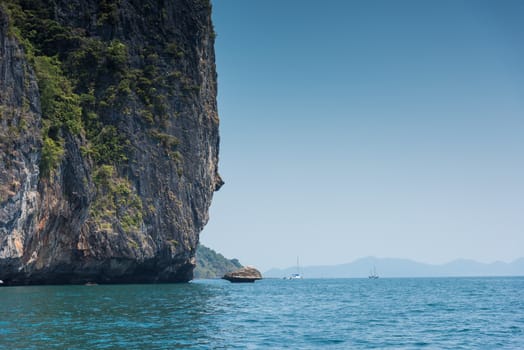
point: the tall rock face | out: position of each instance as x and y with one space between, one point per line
108 139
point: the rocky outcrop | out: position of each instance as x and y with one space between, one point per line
108 139
245 274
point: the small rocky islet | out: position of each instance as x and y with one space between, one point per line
246 274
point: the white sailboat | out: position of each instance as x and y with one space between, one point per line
297 275
373 274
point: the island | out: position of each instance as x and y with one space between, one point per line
246 274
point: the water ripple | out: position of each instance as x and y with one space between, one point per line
454 313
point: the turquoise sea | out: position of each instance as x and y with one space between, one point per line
403 313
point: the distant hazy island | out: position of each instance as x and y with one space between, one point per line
391 267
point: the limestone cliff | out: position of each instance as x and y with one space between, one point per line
108 139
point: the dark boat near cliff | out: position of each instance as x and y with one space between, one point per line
240 279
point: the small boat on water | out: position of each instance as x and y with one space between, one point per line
373 274
295 276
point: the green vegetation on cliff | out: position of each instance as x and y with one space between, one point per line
108 140
211 264
80 79
85 80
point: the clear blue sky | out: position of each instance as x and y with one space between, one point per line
357 128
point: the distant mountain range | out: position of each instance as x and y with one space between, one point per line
391 267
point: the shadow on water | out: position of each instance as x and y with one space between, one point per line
108 316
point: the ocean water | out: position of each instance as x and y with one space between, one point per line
438 313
